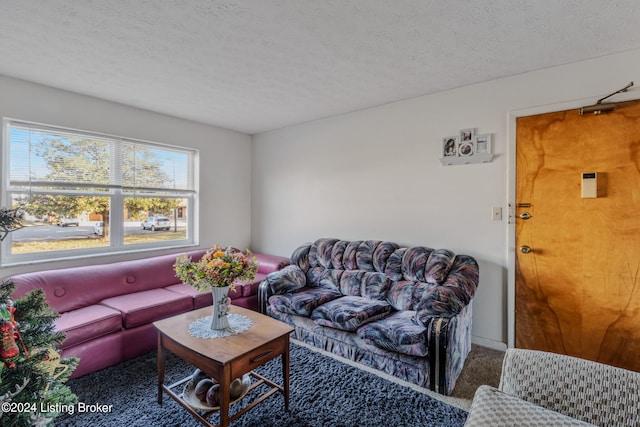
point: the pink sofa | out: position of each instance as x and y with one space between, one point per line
107 310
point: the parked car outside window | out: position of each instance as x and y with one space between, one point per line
154 223
97 228
66 222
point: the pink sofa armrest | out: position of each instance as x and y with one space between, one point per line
270 263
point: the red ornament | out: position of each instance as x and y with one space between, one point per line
8 348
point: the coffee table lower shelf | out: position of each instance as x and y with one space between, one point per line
203 415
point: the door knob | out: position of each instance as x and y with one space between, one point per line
525 249
525 215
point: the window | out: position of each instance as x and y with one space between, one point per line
87 193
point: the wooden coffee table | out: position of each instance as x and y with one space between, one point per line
225 359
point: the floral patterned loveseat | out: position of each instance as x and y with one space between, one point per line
405 311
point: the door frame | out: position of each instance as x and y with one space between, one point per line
511 190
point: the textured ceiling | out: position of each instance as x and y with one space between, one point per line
256 65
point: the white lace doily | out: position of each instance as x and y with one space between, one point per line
237 323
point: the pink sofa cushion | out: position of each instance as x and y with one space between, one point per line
199 299
97 353
203 299
148 306
251 288
87 323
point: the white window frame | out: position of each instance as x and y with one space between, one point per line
116 193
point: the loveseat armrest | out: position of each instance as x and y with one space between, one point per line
286 280
264 292
449 341
582 389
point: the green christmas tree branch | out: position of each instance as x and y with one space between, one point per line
44 388
10 220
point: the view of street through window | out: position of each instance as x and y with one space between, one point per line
81 191
38 236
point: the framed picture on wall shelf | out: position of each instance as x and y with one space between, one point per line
468 147
483 144
450 146
467 135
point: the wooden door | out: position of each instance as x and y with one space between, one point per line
578 289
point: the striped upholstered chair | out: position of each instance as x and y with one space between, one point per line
546 389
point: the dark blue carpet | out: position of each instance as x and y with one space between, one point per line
324 392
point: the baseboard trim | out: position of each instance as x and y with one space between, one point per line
484 342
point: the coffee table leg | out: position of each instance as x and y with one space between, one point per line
225 396
161 366
285 375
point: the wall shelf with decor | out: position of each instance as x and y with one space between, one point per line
466 148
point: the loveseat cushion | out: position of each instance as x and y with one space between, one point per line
303 302
350 312
321 277
357 283
87 323
491 407
288 279
414 260
393 268
397 333
406 295
438 265
147 306
364 283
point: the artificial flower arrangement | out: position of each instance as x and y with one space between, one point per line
217 268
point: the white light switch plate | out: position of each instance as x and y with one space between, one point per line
496 214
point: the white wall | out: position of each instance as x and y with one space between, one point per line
371 174
375 174
225 183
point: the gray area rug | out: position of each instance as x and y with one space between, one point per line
324 392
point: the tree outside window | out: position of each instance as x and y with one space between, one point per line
83 191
